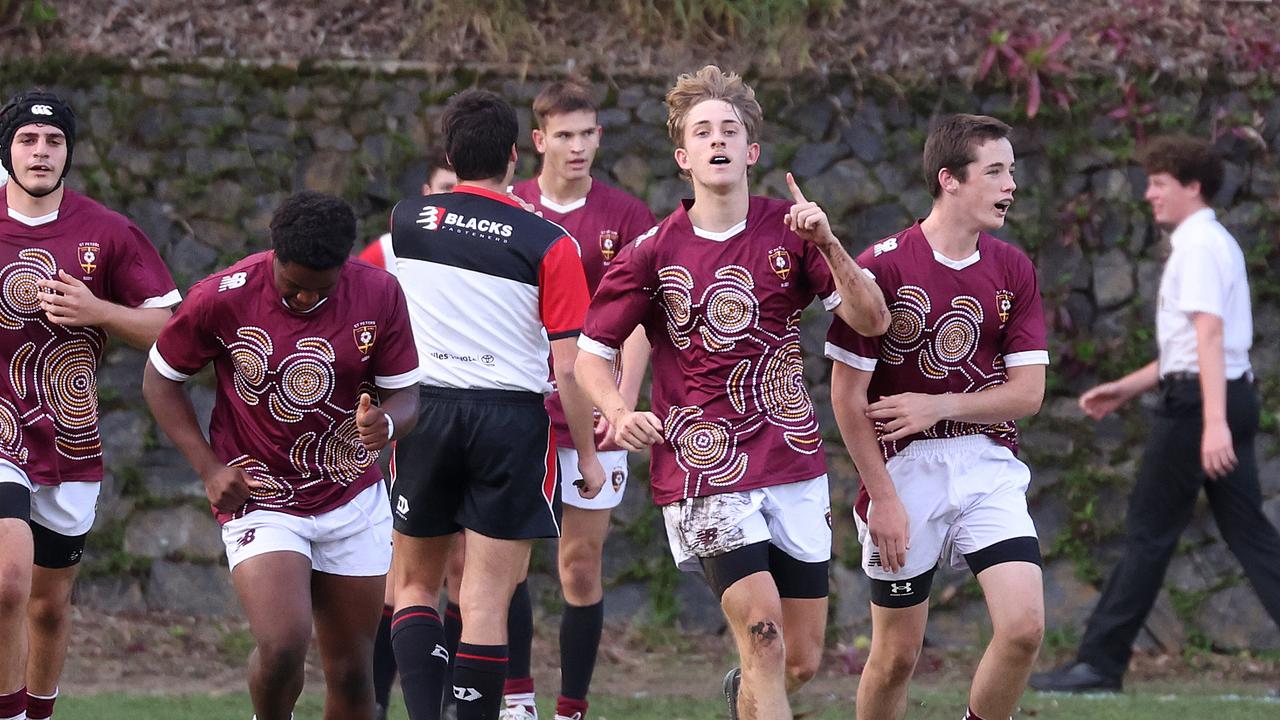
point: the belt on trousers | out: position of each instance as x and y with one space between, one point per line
1186 376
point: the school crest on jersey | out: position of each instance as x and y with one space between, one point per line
1004 305
608 244
780 261
90 252
365 334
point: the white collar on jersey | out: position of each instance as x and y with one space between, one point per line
958 264
33 221
720 236
308 311
556 207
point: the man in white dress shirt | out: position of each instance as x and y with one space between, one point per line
1205 422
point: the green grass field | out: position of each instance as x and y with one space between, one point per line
926 704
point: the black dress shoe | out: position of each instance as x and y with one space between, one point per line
1075 677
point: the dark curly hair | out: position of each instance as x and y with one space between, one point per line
1187 159
314 230
479 131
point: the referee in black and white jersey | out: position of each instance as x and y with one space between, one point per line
492 290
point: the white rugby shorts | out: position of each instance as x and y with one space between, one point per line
353 540
961 495
616 472
795 517
67 509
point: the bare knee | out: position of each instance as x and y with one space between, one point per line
801 667
49 615
15 588
352 681
1023 637
764 646
896 661
580 577
282 657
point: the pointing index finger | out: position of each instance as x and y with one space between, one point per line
795 189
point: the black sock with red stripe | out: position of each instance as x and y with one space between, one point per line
418 640
384 659
478 674
452 634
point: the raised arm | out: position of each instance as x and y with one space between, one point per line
862 304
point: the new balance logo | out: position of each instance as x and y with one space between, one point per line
430 216
232 281
885 246
900 589
41 110
466 694
874 560
441 653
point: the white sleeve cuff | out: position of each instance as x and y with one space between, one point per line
169 299
597 348
857 362
395 382
1030 357
832 301
164 368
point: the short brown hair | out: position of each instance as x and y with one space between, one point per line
712 83
1187 159
562 97
951 146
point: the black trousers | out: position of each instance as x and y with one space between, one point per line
1169 481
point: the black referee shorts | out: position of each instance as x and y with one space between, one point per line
484 460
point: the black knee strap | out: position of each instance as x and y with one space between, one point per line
55 550
902 593
15 501
797 579
722 571
1019 549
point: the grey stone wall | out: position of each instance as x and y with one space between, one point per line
199 157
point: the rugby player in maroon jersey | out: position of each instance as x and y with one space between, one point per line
737 466
927 412
72 273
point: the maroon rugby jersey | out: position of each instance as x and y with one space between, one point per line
49 388
289 382
602 222
956 326
722 311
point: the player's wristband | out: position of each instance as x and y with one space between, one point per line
391 426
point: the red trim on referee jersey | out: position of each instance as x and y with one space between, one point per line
563 296
484 192
372 254
401 618
551 477
469 656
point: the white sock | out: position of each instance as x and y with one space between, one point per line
525 699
